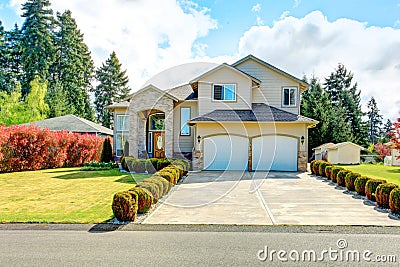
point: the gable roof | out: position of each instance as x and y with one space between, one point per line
324 146
123 104
71 123
269 66
259 113
224 65
183 92
344 144
148 87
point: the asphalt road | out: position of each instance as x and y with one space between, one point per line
201 246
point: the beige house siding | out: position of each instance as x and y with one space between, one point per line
224 76
347 154
184 143
272 84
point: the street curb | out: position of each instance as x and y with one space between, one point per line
103 227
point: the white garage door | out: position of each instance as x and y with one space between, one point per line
275 153
225 152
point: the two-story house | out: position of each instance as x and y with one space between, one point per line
244 116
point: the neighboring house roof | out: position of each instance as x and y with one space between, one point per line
344 144
324 146
224 65
72 123
123 104
183 92
270 67
258 113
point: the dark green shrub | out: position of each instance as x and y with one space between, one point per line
394 201
106 153
370 187
162 163
328 170
98 166
125 206
359 184
150 167
126 163
382 194
334 173
153 189
341 177
145 199
139 165
350 179
312 166
322 166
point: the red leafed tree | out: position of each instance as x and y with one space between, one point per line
382 150
395 140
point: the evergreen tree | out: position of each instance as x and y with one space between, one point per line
2 56
374 121
339 129
112 88
10 61
386 130
58 101
72 69
37 41
106 153
346 95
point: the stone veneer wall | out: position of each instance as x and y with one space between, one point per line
147 100
302 161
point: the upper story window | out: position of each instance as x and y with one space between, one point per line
289 97
122 123
224 92
185 116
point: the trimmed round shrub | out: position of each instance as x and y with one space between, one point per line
359 184
312 166
158 183
316 166
394 200
177 172
350 179
145 199
150 167
170 177
334 173
153 189
126 163
166 185
322 166
125 206
341 177
370 187
162 163
382 194
328 170
139 165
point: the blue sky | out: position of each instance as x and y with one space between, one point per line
302 37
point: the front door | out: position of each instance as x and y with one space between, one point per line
158 144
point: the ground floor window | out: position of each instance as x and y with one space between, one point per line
120 141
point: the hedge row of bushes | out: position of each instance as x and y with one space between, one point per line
386 195
141 197
152 165
26 148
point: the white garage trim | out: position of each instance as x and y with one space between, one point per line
225 152
275 153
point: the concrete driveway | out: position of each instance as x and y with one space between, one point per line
245 198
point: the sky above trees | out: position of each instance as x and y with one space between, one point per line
301 37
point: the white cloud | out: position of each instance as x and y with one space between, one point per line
256 8
284 14
314 45
147 35
296 3
260 22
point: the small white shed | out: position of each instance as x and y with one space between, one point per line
320 151
395 154
344 153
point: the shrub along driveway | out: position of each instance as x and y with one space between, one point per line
250 199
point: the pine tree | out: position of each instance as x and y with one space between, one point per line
2 57
37 41
106 153
73 67
386 130
375 121
112 88
346 95
10 61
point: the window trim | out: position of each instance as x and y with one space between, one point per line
149 126
223 92
185 123
295 96
122 148
127 123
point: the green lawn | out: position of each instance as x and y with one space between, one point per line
389 173
65 195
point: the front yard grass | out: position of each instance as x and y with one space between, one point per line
66 195
389 173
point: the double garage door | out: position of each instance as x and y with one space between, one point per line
275 153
